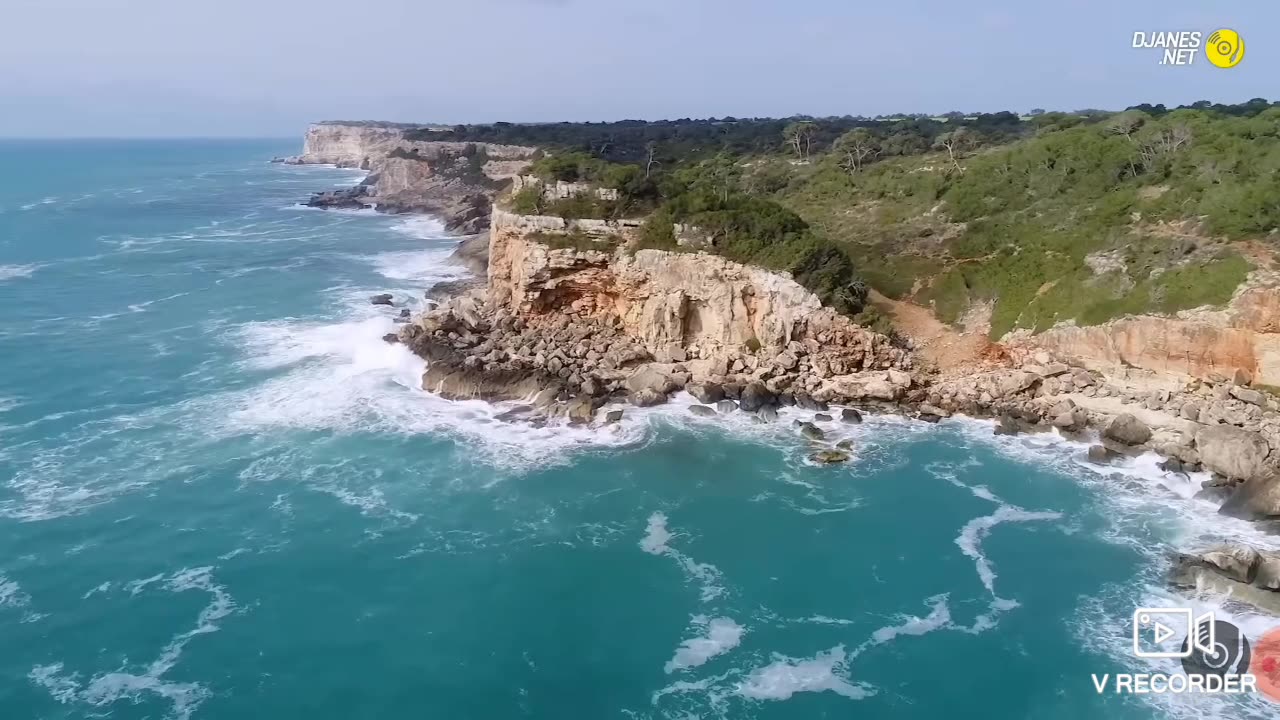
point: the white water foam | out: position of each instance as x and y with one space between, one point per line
105 689
11 272
718 636
657 542
11 594
786 676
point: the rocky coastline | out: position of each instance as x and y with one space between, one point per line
571 333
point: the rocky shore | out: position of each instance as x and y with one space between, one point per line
563 328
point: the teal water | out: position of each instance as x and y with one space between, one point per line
223 497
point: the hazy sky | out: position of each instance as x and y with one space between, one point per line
268 67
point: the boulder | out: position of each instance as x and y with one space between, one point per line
1253 397
580 410
702 411
1008 425
648 397
1255 499
649 378
768 413
1099 455
811 431
707 393
829 457
1234 452
392 338
613 416
1127 429
844 445
851 416
805 401
1268 575
726 406
381 299
1172 465
929 417
755 396
822 417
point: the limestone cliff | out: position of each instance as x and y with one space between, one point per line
1241 341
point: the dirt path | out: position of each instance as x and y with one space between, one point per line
938 345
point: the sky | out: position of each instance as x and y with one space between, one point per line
266 68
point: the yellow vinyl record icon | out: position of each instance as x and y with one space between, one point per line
1225 48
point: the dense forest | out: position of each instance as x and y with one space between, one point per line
1048 217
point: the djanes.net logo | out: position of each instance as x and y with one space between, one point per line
1223 48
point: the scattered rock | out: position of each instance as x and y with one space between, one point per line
845 445
929 417
822 417
1127 429
1253 397
392 338
1099 455
768 413
1008 425
702 411
804 401
381 299
726 406
613 416
851 416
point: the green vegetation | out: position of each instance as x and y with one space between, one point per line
1060 216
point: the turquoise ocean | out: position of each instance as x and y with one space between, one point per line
222 496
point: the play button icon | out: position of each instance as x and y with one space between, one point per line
1161 632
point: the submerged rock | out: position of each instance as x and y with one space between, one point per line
726 406
822 417
702 411
829 457
1099 455
851 416
381 299
811 431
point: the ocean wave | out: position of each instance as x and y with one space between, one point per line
45 201
423 227
105 689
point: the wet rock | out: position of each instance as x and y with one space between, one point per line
1236 562
726 406
829 457
811 431
648 397
1254 499
1099 455
1172 465
851 416
702 411
822 417
392 338
1008 425
768 413
707 393
844 445
929 417
1127 429
613 416
1268 574
381 299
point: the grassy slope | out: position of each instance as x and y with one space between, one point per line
1017 225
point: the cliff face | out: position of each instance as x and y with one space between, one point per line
455 180
1241 341
673 303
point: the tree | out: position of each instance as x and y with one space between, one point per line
799 135
857 147
650 149
1126 123
1037 111
957 143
